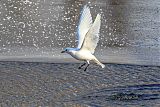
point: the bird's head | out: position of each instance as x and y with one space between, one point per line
67 50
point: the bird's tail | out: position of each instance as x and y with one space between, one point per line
99 63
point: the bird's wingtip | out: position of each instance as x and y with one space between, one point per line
86 5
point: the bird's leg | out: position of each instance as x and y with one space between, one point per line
87 65
81 66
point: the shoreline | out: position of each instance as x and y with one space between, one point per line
71 61
123 55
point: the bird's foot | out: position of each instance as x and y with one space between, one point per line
85 69
79 68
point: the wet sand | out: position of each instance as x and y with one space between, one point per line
31 84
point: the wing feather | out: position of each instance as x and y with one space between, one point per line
92 37
84 25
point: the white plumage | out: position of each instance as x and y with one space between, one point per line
92 36
88 37
85 24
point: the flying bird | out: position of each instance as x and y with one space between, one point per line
88 37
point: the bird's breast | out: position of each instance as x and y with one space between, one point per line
77 55
82 55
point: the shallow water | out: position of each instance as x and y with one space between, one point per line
50 84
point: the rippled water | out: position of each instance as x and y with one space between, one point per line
49 84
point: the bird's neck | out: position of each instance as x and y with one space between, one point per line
73 51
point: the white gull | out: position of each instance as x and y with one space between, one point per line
88 37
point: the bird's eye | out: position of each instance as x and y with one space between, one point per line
66 50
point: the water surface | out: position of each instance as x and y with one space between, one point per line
50 84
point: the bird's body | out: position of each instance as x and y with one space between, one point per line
88 36
82 55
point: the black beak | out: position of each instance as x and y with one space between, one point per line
63 52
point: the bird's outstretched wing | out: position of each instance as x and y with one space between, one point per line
92 37
84 25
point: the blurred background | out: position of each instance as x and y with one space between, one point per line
37 30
